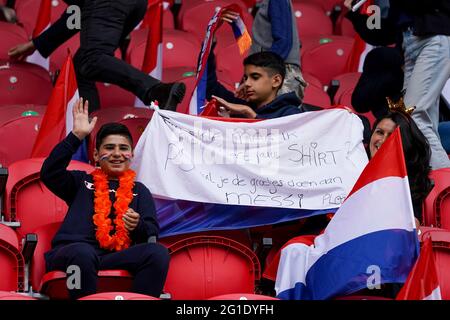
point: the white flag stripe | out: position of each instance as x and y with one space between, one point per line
69 116
435 295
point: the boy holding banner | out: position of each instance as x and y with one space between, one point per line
264 73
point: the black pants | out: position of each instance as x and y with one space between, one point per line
147 262
104 25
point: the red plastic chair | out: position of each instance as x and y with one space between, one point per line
11 35
28 201
316 96
242 296
118 296
136 127
53 284
441 248
112 96
168 19
180 48
22 83
347 81
327 58
436 209
10 112
18 136
205 266
11 260
311 19
312 81
8 295
327 5
229 64
27 12
59 56
344 27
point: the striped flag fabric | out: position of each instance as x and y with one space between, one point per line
42 23
152 64
422 282
372 236
58 120
243 40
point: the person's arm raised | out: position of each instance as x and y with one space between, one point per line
54 173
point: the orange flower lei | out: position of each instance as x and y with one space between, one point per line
102 207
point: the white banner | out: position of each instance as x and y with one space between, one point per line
309 161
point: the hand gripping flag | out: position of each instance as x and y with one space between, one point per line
243 40
371 236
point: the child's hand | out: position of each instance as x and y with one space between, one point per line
82 127
236 109
229 16
131 219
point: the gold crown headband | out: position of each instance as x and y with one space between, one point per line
399 106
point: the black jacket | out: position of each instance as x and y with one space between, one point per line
76 189
57 33
428 18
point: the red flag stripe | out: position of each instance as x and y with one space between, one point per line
53 128
43 20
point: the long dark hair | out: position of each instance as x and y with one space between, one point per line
417 157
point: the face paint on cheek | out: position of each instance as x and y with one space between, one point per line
104 157
127 156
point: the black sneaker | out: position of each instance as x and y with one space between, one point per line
168 95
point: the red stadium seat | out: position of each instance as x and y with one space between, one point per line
180 49
118 296
327 5
22 83
27 12
8 295
311 19
347 82
312 81
112 96
11 261
205 266
11 35
59 56
28 201
10 112
316 97
436 209
53 284
344 27
191 21
230 68
18 136
242 296
136 127
327 59
168 19
441 249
